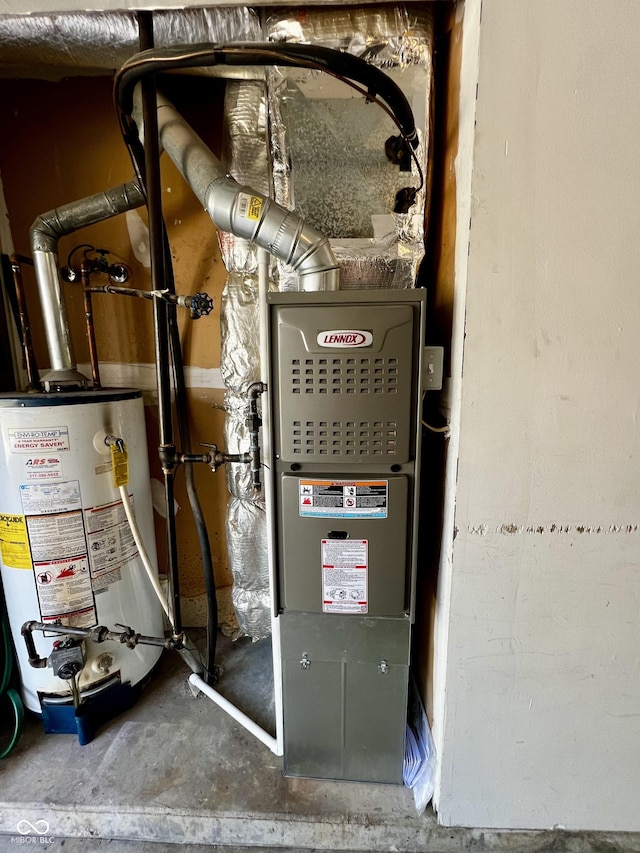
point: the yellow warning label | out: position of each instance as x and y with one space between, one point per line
120 460
255 207
14 542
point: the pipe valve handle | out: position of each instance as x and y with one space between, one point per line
201 305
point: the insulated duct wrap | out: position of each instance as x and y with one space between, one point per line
86 42
328 143
247 159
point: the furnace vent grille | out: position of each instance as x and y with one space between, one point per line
345 438
346 375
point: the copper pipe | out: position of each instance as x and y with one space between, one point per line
85 278
30 364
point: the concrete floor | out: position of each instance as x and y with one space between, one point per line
178 771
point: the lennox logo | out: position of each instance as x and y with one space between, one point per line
346 338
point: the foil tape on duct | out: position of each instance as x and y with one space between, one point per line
247 158
328 143
81 42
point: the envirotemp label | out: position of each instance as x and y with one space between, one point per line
38 440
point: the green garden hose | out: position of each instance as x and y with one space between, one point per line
11 708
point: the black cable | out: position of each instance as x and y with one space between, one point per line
344 66
194 501
86 246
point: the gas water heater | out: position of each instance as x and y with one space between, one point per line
67 553
346 385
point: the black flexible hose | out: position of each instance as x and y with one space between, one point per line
336 62
192 494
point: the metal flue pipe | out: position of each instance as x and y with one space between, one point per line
240 209
45 233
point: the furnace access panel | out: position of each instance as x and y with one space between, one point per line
345 392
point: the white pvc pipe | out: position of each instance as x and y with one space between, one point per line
142 551
236 713
276 653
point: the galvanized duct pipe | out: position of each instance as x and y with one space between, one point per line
242 210
45 233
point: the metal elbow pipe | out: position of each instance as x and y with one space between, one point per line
240 209
255 217
49 227
45 233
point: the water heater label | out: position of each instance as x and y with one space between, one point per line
45 498
39 440
345 567
344 338
344 498
45 467
111 542
58 546
64 592
14 543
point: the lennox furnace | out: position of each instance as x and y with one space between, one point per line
345 389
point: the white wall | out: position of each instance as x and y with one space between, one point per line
540 662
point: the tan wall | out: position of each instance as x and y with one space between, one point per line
60 142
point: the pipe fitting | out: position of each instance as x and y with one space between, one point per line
44 235
240 209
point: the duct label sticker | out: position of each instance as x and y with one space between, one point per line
14 542
64 591
344 498
111 543
250 206
345 566
39 440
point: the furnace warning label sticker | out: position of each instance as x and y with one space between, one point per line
344 498
39 440
345 567
14 542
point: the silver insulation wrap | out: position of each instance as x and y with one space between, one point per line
86 42
328 142
248 162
